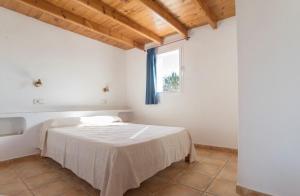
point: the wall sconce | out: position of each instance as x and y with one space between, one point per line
37 83
105 89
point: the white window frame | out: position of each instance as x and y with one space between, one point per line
170 48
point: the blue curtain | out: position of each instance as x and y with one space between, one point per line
151 94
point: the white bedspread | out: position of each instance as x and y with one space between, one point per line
118 156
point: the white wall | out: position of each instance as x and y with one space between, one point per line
74 68
269 80
207 105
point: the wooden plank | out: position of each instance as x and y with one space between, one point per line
211 18
166 15
79 21
106 10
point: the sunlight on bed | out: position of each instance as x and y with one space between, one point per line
139 133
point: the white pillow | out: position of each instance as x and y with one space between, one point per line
65 122
99 120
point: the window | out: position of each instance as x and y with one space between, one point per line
168 71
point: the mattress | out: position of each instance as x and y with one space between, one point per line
116 157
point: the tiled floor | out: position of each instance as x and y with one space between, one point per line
213 175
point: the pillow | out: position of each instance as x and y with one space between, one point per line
99 120
65 122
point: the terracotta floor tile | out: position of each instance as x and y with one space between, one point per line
32 169
93 193
179 190
23 193
79 183
90 190
52 163
5 166
68 175
136 192
154 184
45 177
22 163
8 176
208 194
170 173
12 188
52 189
234 158
75 192
229 172
221 155
183 165
203 153
218 162
223 188
39 180
194 180
206 169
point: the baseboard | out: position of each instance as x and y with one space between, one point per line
248 192
223 149
28 157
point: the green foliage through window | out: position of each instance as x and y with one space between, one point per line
171 82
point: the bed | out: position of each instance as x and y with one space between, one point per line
111 155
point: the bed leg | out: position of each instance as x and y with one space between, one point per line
187 158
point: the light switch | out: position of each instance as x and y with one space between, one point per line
38 101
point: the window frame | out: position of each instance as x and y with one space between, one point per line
166 49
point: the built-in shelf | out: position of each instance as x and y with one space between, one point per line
12 126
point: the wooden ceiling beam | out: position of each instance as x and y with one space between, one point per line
106 10
167 16
211 18
67 16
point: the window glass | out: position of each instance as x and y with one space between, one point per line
168 71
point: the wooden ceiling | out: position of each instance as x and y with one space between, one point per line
126 23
